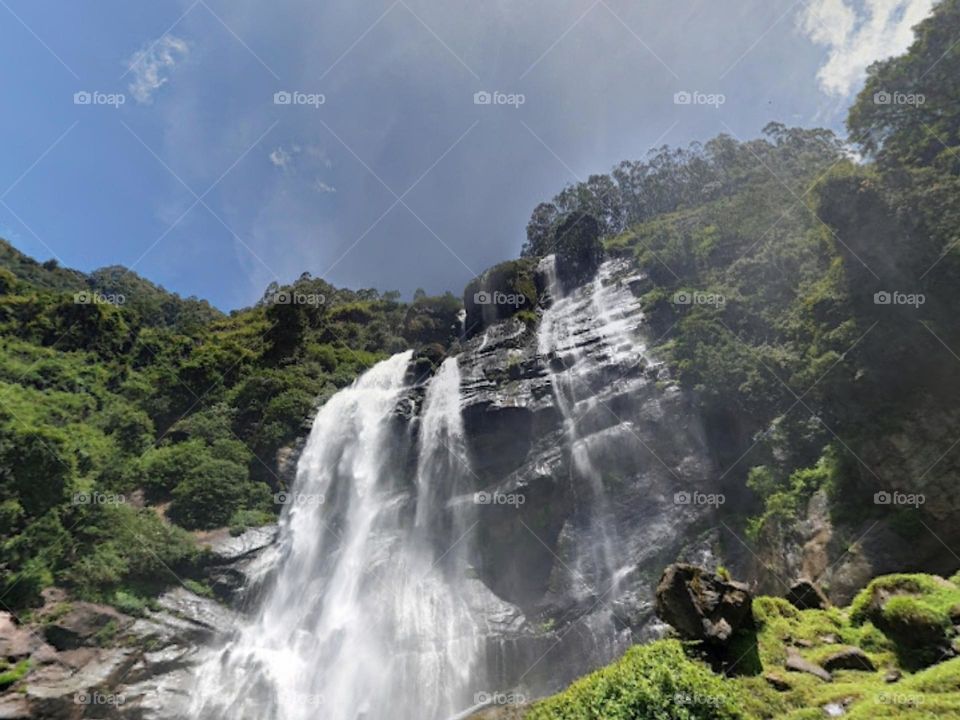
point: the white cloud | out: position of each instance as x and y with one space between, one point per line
280 158
152 64
856 35
321 187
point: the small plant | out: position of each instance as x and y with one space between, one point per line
10 675
198 588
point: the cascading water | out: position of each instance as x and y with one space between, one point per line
584 332
368 616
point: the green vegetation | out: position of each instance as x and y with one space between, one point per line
130 415
917 611
505 290
662 679
651 681
10 674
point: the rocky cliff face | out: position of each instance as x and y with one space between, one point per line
592 474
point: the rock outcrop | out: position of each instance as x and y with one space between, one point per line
703 606
848 658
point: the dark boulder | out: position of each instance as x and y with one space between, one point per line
849 658
805 595
701 605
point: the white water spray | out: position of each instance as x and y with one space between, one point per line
366 617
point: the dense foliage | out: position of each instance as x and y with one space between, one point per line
129 415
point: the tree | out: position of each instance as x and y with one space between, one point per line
578 247
540 230
210 493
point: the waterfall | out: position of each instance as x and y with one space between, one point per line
582 334
368 616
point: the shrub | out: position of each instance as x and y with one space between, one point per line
162 468
649 681
212 492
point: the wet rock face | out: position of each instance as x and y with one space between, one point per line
236 567
592 472
499 293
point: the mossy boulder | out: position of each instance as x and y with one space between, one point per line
501 292
916 611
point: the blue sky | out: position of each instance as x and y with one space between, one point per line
185 168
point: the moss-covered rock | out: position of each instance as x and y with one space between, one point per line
915 611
